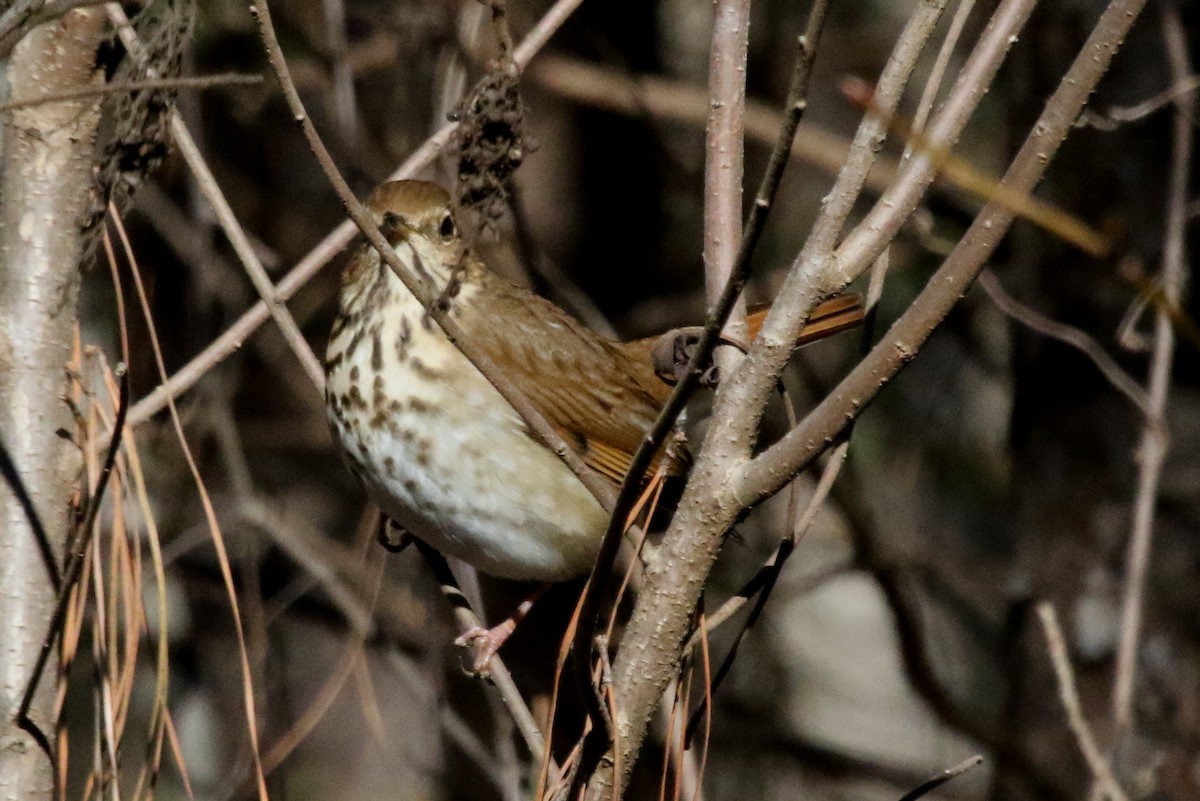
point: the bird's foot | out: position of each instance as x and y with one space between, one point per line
485 642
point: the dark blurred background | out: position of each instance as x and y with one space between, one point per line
997 471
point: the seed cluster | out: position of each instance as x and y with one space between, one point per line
491 141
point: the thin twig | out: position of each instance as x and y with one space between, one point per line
934 782
933 85
659 621
466 620
724 164
147 85
228 221
768 471
1153 451
337 239
938 72
1056 646
739 275
1068 335
643 95
81 541
1116 116
863 244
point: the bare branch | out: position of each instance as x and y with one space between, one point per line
946 775
1068 335
227 343
1153 451
238 238
1056 646
724 147
192 82
660 620
466 620
769 470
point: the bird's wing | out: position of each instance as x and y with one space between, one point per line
594 392
828 318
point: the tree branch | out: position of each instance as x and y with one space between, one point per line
723 483
661 617
1153 451
328 248
45 177
760 478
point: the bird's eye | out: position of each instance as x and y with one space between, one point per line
446 229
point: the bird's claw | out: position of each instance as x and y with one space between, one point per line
485 642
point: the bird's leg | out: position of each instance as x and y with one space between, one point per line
487 642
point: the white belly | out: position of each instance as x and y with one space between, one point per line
448 459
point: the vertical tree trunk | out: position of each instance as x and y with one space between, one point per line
45 178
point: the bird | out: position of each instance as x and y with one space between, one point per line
436 446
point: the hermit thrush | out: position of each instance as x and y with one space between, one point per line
432 441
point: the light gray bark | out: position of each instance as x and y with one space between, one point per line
45 179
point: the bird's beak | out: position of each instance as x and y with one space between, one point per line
395 228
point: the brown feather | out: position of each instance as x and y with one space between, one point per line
601 399
831 317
